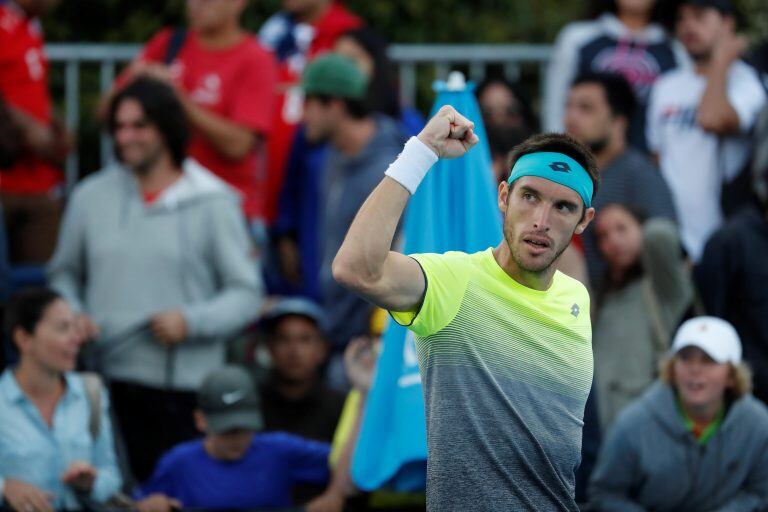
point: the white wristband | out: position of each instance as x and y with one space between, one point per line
412 164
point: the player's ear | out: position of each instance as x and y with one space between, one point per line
588 216
504 191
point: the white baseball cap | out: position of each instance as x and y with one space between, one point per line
713 335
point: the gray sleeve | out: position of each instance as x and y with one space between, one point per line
663 263
66 270
238 300
753 495
615 473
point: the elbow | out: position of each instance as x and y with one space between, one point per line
348 275
343 273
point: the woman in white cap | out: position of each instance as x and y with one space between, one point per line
696 440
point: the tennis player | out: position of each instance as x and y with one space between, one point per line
504 340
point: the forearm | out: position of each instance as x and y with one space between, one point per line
230 139
716 114
38 137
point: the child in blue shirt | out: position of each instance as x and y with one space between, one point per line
234 466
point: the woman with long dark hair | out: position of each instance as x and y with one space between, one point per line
645 294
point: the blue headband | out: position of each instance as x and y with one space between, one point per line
555 167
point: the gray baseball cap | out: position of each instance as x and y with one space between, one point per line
295 306
229 400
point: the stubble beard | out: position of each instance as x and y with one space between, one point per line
510 239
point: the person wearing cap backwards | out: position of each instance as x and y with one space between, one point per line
697 440
503 339
335 111
234 466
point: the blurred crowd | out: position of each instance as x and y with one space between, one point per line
185 345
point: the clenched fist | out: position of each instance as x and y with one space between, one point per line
449 134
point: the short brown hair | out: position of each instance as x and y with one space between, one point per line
558 143
740 373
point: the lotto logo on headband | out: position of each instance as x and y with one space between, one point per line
556 167
560 167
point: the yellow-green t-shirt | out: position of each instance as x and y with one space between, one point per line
506 371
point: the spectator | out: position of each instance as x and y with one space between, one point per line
31 177
234 467
50 454
296 228
296 35
698 118
334 111
294 398
226 83
598 113
621 36
508 119
155 257
369 51
644 296
697 440
732 274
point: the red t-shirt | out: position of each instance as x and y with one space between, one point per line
237 83
333 23
23 84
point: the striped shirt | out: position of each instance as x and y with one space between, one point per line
506 370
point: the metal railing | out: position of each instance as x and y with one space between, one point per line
409 59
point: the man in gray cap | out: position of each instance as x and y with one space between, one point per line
235 466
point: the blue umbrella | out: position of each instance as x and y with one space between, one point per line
454 209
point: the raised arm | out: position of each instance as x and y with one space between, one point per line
365 264
716 113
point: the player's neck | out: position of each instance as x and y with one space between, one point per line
221 38
540 281
352 135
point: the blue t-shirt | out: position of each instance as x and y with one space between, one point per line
263 478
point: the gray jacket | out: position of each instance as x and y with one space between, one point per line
347 182
122 261
651 462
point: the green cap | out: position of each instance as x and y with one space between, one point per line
334 75
229 401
